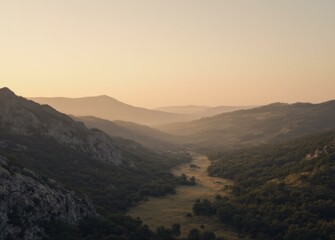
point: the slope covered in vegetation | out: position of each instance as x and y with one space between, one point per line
283 191
273 123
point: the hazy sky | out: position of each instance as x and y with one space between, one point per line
171 52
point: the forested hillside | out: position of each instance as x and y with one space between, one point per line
276 122
283 191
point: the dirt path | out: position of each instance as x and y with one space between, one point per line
173 208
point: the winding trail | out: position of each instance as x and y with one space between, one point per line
165 211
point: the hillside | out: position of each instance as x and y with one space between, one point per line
113 172
282 191
271 123
148 137
19 116
202 111
106 107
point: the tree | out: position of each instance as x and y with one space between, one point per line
194 234
202 227
164 233
226 211
193 180
183 177
176 229
204 207
208 236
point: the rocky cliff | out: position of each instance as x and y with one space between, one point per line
28 201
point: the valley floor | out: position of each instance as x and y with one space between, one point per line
165 211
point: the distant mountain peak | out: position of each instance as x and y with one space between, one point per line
6 92
104 96
112 109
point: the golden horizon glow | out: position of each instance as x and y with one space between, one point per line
155 53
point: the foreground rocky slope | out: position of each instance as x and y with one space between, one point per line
27 202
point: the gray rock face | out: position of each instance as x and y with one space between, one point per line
27 201
23 117
326 150
95 143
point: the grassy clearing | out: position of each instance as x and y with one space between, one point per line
173 208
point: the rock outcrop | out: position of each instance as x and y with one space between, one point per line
28 201
326 150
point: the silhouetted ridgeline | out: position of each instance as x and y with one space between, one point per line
202 111
106 107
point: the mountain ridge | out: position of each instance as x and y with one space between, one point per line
202 111
273 122
25 117
109 108
148 137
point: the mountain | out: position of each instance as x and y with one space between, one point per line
109 108
29 201
281 191
224 109
271 123
190 109
144 135
202 111
114 173
23 117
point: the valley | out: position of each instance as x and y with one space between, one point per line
165 211
134 182
167 120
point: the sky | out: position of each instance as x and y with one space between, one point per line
154 53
